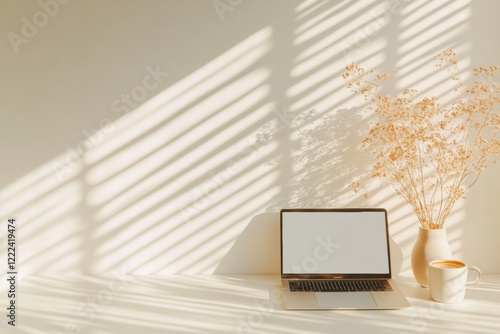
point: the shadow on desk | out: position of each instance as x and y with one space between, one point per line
483 290
412 289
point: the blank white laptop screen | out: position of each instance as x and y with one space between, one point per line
322 242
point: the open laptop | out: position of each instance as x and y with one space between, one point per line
337 259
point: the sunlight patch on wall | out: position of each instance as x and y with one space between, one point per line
161 195
331 39
31 188
326 21
328 38
161 180
176 137
48 221
310 7
427 29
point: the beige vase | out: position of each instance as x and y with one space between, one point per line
430 245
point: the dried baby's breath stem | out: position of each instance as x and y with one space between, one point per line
433 155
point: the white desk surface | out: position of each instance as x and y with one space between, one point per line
228 304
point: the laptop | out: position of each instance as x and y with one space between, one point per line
337 259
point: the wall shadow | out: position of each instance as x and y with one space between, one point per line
256 250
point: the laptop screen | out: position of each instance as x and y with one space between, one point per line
334 241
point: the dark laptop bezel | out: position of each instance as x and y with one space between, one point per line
337 275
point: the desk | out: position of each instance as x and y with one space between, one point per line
229 304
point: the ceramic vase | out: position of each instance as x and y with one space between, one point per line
431 244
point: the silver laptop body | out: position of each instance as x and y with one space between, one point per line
346 250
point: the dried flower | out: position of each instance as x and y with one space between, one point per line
433 155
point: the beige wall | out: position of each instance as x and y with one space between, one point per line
153 136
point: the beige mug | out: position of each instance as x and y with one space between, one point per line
448 280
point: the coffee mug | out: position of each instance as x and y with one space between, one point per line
448 280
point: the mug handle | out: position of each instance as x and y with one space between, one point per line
476 269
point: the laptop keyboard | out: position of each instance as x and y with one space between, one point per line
339 286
